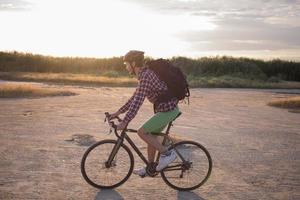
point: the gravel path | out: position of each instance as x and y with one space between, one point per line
255 148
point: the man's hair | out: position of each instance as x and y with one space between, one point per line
135 56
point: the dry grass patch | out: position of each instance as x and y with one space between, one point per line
10 90
291 102
121 81
67 78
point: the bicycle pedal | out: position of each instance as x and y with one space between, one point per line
151 172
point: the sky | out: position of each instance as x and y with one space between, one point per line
264 29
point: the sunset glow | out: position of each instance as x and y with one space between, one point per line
110 28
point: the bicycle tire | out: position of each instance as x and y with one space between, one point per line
202 162
100 158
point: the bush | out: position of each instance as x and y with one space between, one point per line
246 68
274 79
111 74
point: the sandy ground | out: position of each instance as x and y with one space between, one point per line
255 147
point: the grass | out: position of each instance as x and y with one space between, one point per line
219 71
114 66
291 103
9 90
225 81
238 82
67 78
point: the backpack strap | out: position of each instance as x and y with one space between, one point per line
188 94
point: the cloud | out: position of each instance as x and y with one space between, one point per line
14 5
241 24
218 7
243 35
270 11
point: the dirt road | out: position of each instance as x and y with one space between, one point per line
255 148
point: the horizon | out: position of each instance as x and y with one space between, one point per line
148 56
189 28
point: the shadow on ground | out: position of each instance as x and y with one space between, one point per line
188 195
114 195
108 194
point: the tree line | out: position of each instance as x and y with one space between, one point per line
204 66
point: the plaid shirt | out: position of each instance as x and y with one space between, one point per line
149 86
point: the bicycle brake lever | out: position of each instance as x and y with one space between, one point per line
106 116
110 123
119 119
111 127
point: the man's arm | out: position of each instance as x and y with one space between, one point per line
127 105
138 99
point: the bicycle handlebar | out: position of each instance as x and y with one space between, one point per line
108 120
112 124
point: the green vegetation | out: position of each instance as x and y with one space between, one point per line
27 90
292 102
20 62
227 81
203 72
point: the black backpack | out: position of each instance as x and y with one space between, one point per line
173 77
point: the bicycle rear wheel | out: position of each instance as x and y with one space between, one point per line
94 168
191 174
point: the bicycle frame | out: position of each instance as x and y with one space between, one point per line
125 136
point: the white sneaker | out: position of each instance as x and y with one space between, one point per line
141 172
165 159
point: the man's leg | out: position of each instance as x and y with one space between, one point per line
151 150
151 153
155 125
152 141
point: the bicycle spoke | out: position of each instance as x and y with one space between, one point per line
96 171
195 173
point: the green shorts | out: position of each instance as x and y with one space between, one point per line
159 121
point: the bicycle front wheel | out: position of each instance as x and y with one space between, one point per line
94 166
193 171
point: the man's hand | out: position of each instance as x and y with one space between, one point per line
114 115
121 126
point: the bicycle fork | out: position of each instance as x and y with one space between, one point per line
109 163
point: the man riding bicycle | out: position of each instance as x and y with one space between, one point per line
150 86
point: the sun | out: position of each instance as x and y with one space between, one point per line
95 29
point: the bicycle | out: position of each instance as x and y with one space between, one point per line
109 163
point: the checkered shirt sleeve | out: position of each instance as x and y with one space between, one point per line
138 97
127 105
